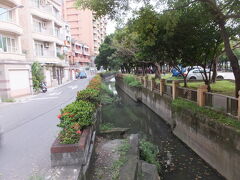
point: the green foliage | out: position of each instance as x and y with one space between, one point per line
36 177
131 81
106 90
60 56
37 75
73 118
79 114
222 87
8 100
149 153
106 126
181 105
90 95
101 8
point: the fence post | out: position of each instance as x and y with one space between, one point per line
239 105
201 95
175 84
144 82
152 85
162 85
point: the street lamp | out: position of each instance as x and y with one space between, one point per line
18 6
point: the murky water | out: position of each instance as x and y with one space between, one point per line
178 161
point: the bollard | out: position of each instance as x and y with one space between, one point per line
201 95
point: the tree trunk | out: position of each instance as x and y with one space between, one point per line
158 71
185 81
231 56
214 76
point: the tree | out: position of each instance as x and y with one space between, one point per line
224 12
106 50
37 75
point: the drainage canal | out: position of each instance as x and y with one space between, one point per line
178 161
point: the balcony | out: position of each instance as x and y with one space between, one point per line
10 26
12 56
46 12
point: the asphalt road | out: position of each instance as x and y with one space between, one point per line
29 129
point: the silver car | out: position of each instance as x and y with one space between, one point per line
197 74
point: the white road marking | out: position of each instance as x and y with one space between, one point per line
55 94
73 87
37 99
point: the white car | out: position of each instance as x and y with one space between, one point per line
197 74
225 75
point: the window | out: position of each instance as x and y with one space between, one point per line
6 16
8 44
36 3
39 47
39 26
55 12
57 31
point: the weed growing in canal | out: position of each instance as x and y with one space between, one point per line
107 96
131 81
149 153
123 149
106 126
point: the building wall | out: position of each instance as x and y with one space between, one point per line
84 27
15 71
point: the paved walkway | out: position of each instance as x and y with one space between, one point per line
29 129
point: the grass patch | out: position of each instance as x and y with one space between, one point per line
8 100
181 105
106 126
123 149
149 153
222 87
131 81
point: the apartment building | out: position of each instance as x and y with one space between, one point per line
15 70
85 29
99 33
44 38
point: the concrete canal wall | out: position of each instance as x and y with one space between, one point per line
217 144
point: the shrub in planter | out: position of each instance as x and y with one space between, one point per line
74 118
95 83
90 95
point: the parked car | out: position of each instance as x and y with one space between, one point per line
176 73
225 75
82 75
197 74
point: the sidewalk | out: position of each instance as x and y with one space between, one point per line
24 98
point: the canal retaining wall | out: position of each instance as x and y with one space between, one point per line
217 144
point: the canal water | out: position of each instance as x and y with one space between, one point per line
178 161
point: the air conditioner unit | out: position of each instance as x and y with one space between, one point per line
46 45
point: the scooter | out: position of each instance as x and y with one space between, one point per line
43 87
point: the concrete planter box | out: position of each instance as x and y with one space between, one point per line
72 154
76 154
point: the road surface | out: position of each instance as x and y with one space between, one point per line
29 129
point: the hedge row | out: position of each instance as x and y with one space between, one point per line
78 115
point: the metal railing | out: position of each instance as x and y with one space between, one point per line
222 103
168 90
187 93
